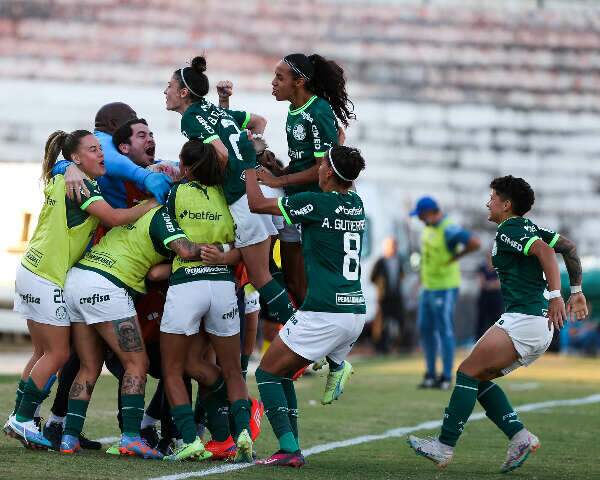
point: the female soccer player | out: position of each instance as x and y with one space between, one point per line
333 313
316 90
524 257
63 231
203 293
201 120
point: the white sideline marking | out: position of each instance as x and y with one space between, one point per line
396 432
107 440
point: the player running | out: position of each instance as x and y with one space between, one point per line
333 313
201 120
316 90
524 257
64 229
204 293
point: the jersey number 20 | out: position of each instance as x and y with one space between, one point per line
352 258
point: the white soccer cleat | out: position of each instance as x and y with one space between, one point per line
432 449
519 448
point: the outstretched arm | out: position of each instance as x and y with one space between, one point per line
577 304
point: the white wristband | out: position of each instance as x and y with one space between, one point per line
554 294
576 289
226 247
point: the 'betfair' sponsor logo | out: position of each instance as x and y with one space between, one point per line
100 257
29 298
349 211
208 216
94 299
350 298
511 242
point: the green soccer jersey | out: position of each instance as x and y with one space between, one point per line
521 276
203 215
207 122
332 232
126 253
63 231
311 130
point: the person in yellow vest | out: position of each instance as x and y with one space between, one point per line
64 230
443 242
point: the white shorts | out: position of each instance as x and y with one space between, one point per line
92 298
250 228
290 233
271 192
39 299
214 300
252 302
314 335
529 334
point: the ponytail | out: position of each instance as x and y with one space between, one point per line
60 142
324 78
53 147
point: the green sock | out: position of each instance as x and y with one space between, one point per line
199 410
498 409
217 411
276 408
133 412
333 367
292 403
244 360
277 300
20 391
459 409
183 416
76 412
32 397
240 411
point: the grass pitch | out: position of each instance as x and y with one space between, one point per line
380 396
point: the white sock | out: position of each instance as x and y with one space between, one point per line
521 436
148 421
55 419
37 411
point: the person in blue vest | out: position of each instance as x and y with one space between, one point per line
443 242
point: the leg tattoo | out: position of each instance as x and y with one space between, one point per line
128 335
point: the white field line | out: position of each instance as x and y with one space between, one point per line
396 432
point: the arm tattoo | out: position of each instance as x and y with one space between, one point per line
569 252
128 335
133 385
186 249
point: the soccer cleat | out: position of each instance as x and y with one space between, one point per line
54 432
319 364
519 448
150 435
69 444
432 449
87 444
224 450
428 382
192 451
113 450
28 433
335 383
284 459
257 409
138 447
244 448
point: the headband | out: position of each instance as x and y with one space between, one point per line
335 169
185 83
296 69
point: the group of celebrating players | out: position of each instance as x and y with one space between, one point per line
124 241
139 264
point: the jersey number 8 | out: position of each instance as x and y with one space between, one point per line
352 257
